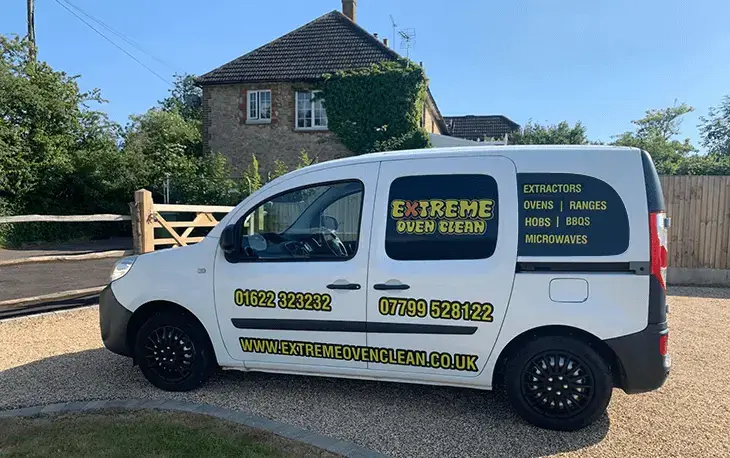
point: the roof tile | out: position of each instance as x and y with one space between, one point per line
329 43
479 127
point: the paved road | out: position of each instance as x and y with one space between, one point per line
59 357
37 279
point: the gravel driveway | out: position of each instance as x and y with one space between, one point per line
59 357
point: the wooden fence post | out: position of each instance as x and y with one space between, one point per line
145 220
134 213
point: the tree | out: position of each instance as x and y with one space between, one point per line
715 129
185 97
553 134
655 134
251 178
45 127
304 160
280 168
57 155
169 146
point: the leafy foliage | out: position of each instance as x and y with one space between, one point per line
552 134
252 175
185 98
280 168
48 138
715 129
59 156
377 108
702 165
655 133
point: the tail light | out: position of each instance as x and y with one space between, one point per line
658 224
663 343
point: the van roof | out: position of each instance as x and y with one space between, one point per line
453 151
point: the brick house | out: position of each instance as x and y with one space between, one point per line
261 103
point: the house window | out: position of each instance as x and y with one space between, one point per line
259 106
310 113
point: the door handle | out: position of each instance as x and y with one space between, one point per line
385 286
348 286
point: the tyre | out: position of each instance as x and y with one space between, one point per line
174 352
558 383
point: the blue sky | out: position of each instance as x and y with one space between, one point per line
602 62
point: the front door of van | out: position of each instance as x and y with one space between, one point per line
442 263
295 295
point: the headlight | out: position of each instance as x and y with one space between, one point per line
122 267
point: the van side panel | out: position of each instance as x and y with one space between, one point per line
614 303
619 171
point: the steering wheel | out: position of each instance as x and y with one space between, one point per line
333 242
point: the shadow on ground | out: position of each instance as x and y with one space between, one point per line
392 418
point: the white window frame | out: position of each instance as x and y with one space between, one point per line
255 95
296 112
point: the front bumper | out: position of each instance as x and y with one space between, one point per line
113 322
642 367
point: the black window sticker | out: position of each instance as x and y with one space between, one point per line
564 214
435 217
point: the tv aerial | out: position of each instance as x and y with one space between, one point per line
407 37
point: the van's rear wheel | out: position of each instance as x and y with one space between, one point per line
174 352
558 383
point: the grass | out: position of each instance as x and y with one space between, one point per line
142 434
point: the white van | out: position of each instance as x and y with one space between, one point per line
537 269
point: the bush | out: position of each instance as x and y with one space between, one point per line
377 108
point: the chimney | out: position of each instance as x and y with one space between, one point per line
348 9
385 41
375 34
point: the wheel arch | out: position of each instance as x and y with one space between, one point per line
145 311
606 353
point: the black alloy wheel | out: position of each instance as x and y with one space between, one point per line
174 352
170 353
558 382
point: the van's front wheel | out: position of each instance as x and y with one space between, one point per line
558 383
173 352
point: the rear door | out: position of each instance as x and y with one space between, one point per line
442 262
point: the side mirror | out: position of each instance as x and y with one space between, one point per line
330 222
228 240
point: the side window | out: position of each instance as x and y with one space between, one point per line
346 213
439 217
567 214
315 223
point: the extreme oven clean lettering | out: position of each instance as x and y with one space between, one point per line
437 208
444 227
380 355
443 216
